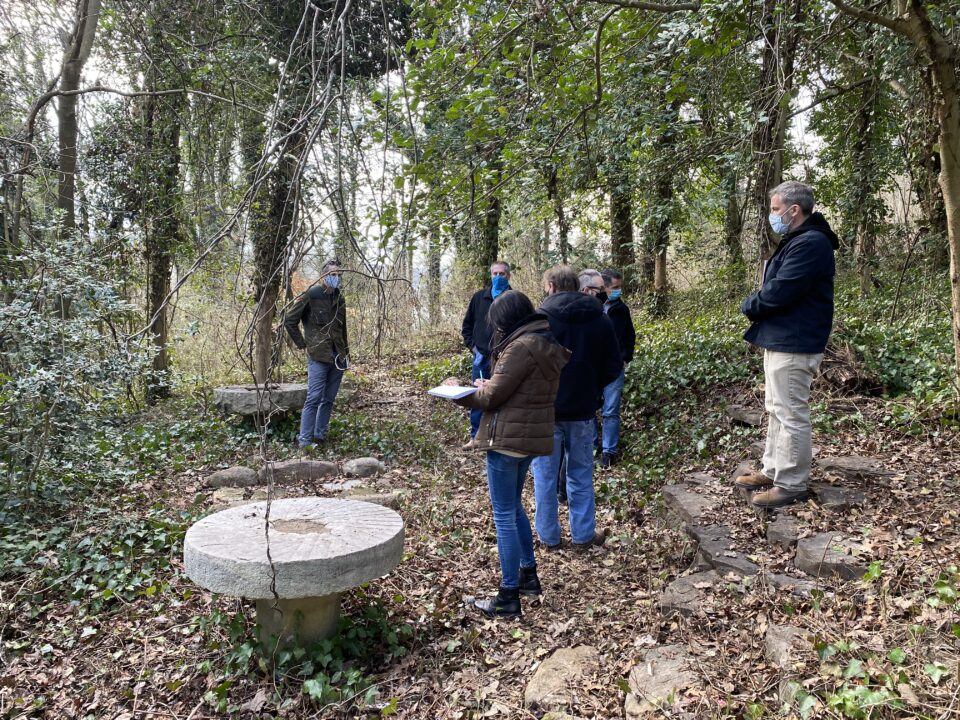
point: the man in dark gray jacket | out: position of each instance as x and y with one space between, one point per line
792 315
323 314
578 323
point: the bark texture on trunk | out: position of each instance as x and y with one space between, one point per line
163 230
621 230
74 58
780 36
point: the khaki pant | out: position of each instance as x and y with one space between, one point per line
789 448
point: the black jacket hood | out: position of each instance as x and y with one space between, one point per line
576 308
817 222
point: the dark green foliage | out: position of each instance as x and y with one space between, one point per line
907 347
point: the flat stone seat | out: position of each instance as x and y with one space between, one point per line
260 399
319 547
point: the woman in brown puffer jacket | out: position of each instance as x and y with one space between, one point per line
517 425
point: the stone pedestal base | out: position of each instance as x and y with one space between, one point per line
301 621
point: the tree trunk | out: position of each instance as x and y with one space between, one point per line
732 218
75 56
926 178
490 234
776 82
434 253
563 224
864 198
621 230
661 241
163 231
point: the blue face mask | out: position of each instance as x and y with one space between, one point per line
333 281
778 224
615 294
500 284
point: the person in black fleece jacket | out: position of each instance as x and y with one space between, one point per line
578 323
791 317
619 313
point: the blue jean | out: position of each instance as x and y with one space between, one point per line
611 414
575 438
323 382
481 365
505 478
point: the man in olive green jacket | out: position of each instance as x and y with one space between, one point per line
323 314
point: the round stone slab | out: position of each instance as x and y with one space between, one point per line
319 546
259 399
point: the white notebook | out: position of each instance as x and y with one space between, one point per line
451 392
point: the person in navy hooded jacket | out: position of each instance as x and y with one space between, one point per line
791 318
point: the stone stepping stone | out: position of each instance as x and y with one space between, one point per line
830 554
795 586
342 486
318 548
836 498
388 499
659 681
854 467
783 531
700 478
745 415
297 471
232 477
684 505
364 467
719 550
689 595
783 647
262 494
744 468
756 449
228 496
259 399
560 678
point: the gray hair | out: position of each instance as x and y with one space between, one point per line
500 262
795 193
332 262
562 277
587 275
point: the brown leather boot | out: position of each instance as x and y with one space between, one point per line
753 481
778 497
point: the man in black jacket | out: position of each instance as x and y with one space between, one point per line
578 323
323 314
477 334
792 315
619 313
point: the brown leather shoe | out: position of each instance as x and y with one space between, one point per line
753 481
598 539
778 497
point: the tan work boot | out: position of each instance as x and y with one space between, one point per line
753 480
778 497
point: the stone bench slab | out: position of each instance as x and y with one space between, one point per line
259 399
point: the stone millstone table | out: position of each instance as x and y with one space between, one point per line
319 548
260 399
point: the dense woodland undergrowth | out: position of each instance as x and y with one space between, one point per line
97 618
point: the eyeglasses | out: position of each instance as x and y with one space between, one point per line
594 288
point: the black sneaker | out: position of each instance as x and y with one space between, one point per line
529 582
608 460
506 604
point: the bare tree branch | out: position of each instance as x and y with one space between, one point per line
652 6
